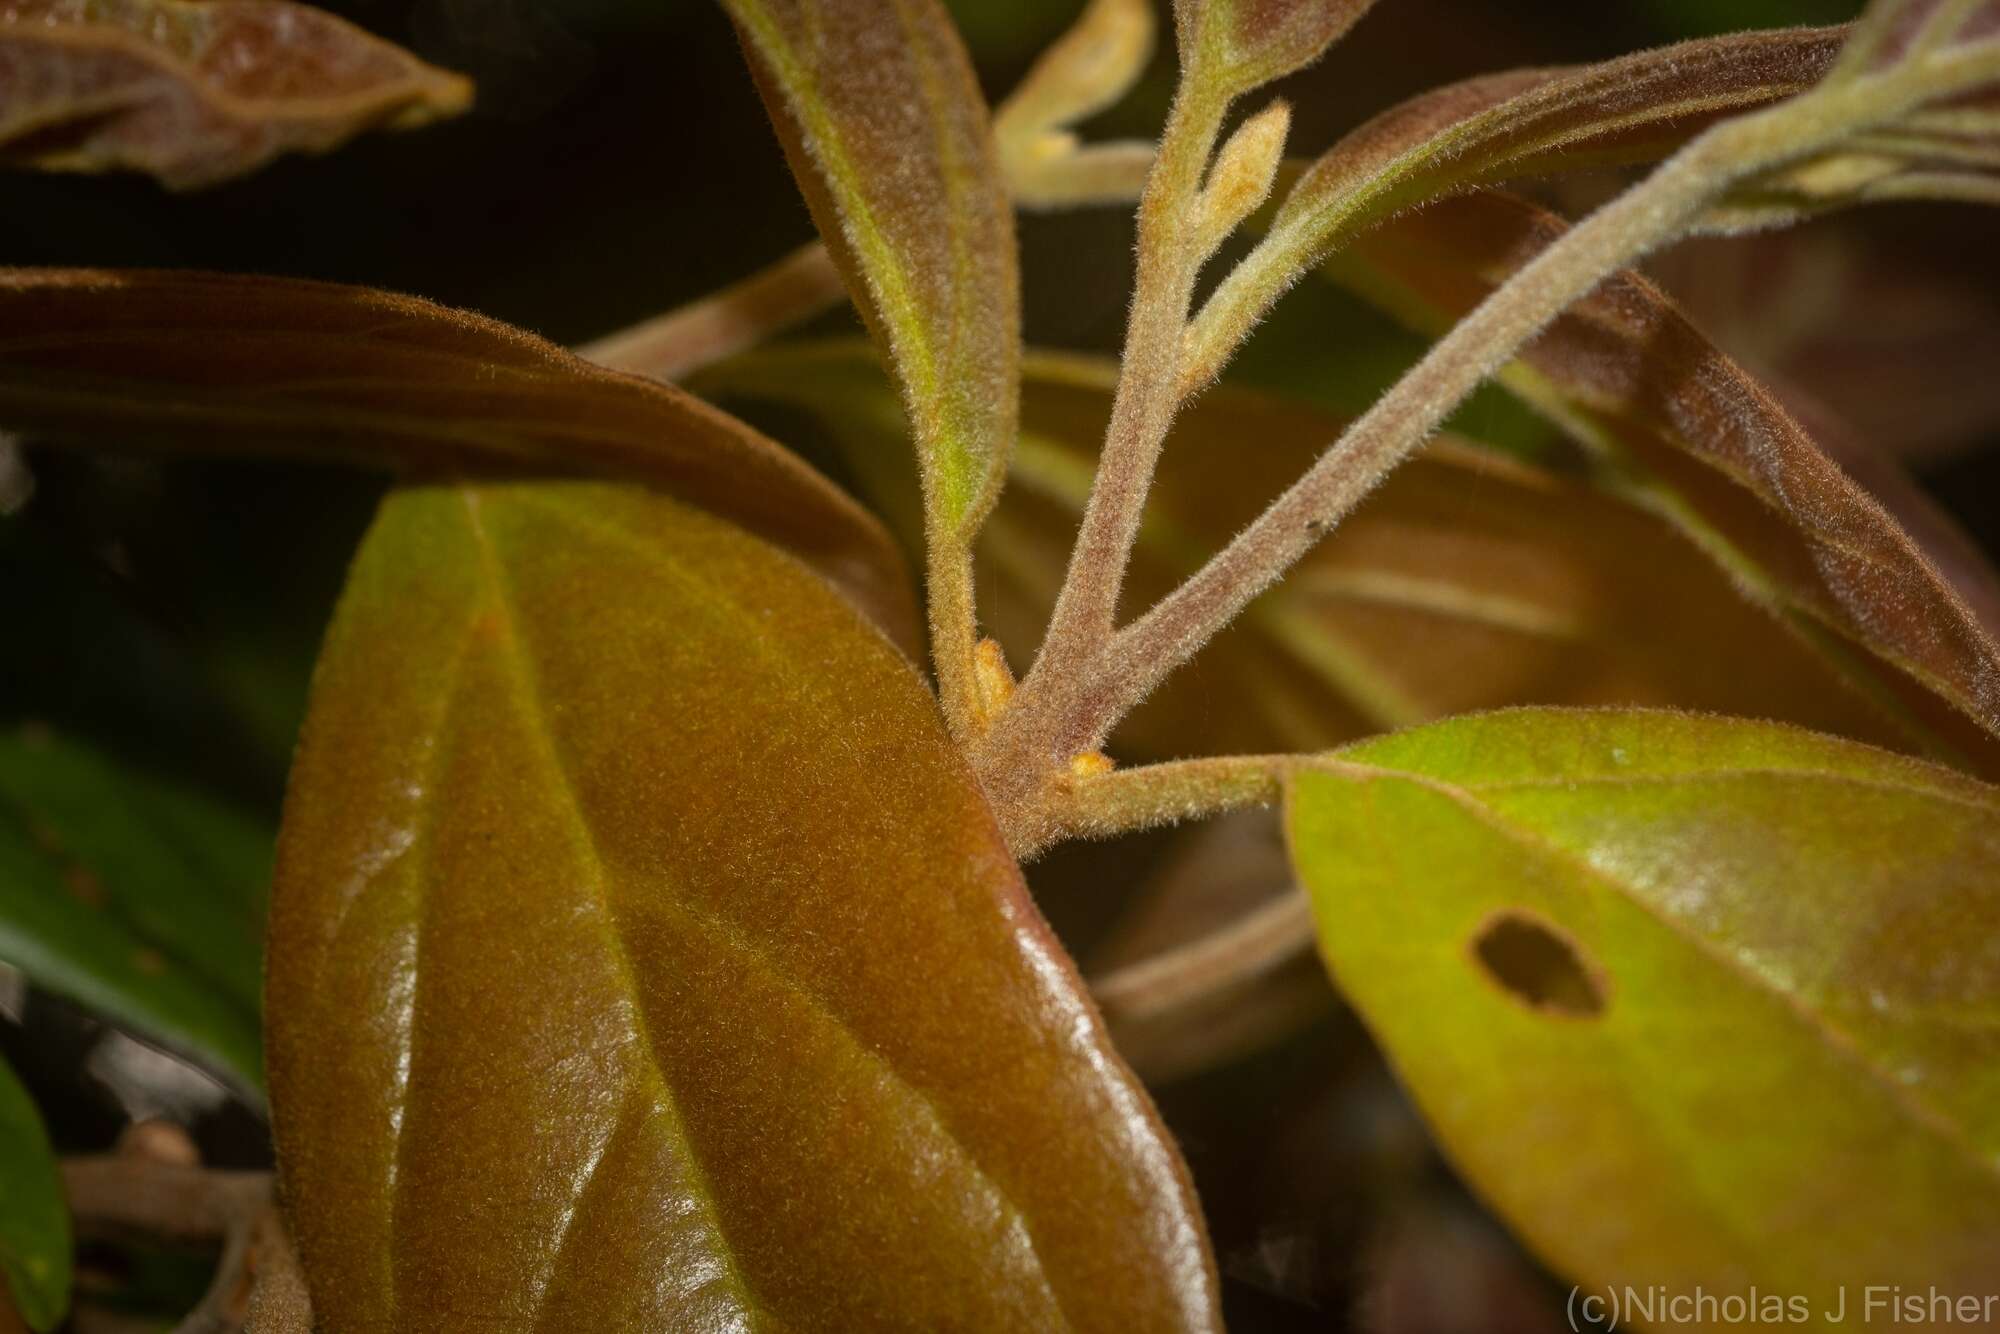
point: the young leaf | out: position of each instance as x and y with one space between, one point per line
34 1220
1232 46
257 365
132 896
1649 975
882 119
194 92
1525 122
1682 429
1090 67
1467 581
643 957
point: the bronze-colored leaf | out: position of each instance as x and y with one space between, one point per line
882 119
196 91
1468 580
1232 46
259 365
643 957
1683 430
1876 320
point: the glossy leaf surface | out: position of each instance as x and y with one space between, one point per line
194 93
34 1220
1683 429
644 958
1692 1001
1468 580
260 365
879 112
131 895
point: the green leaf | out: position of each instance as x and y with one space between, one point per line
1691 1001
1682 429
220 363
644 957
195 93
133 896
34 1220
882 119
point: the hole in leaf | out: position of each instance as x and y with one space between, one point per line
1538 964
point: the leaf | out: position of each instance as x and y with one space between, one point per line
133 896
1879 324
262 365
1665 986
882 120
1638 108
1684 431
1086 70
1468 580
193 92
1232 46
34 1221
643 957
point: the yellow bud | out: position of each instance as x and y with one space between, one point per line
1243 173
1090 764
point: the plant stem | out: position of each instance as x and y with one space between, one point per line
740 316
954 636
1659 209
1122 801
1224 959
177 1202
1147 394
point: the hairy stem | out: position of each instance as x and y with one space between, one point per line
1247 947
1122 801
740 316
1169 260
954 636
1659 209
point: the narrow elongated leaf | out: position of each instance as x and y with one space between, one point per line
1637 108
196 91
132 896
1683 429
1502 126
1692 1001
34 1221
259 365
1468 580
879 112
644 958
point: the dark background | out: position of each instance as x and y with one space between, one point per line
617 164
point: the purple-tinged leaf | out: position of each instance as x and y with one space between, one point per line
196 91
207 362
